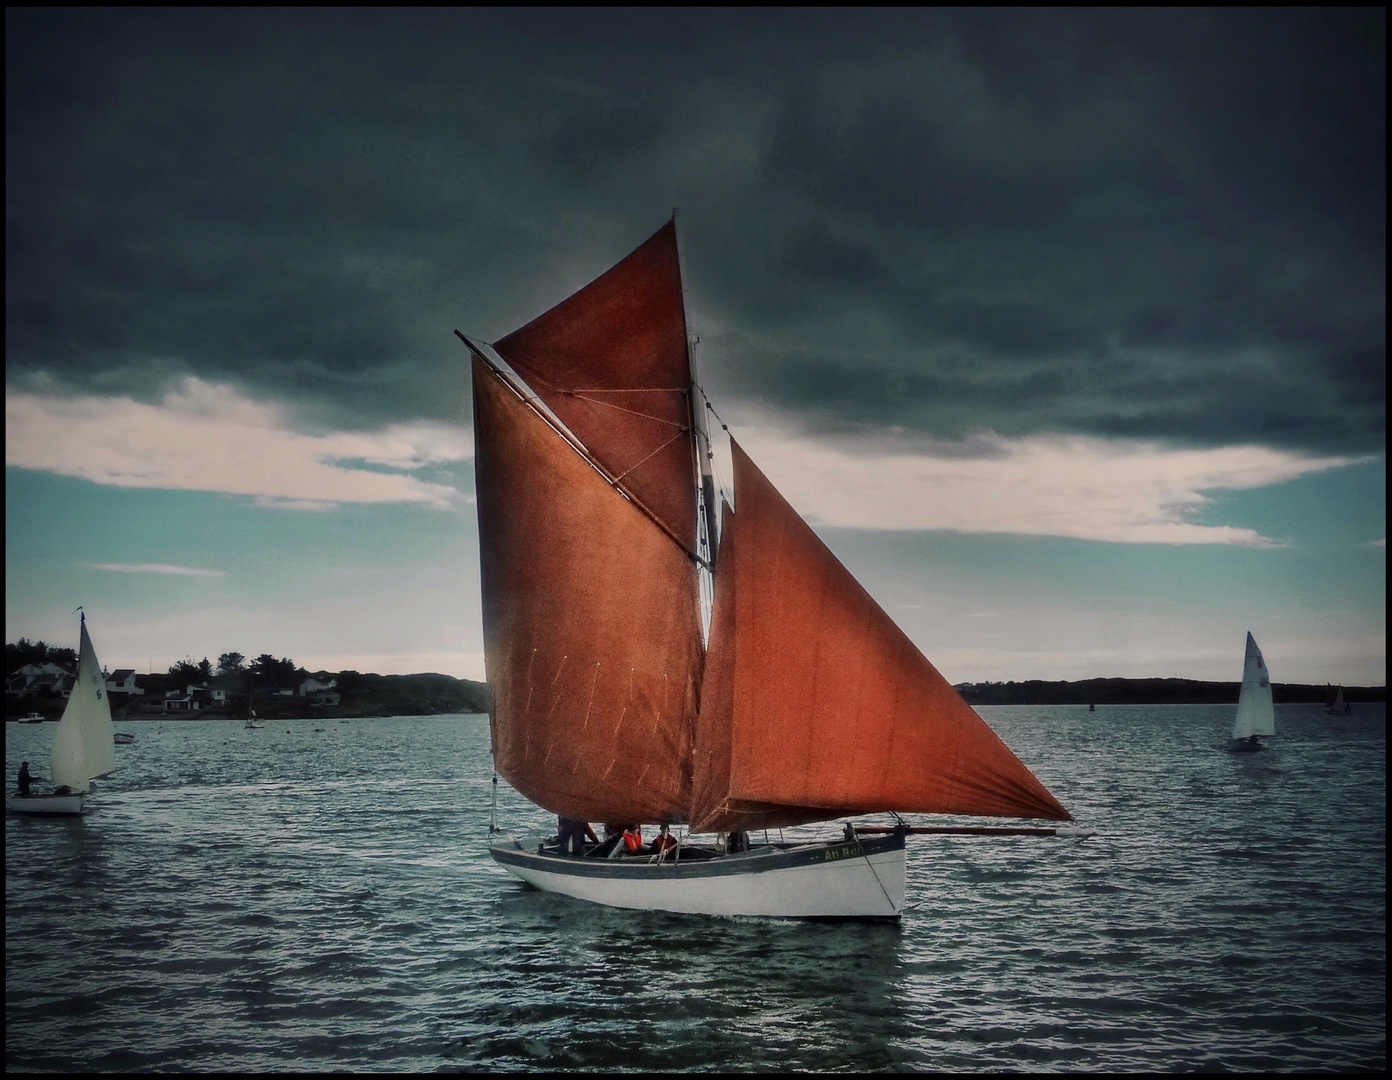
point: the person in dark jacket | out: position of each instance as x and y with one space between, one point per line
24 778
572 835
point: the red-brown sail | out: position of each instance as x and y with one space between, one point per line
611 362
829 704
592 632
714 809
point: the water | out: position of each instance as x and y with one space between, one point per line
317 896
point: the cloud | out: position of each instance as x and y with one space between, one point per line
154 568
1119 491
208 437
1147 224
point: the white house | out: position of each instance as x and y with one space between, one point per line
34 679
314 684
194 698
122 681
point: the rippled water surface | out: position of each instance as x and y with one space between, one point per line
318 895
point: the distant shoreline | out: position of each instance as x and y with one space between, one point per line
1152 692
435 695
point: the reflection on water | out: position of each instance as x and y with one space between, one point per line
302 898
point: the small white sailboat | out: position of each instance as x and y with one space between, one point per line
1256 716
1340 706
252 723
597 517
84 745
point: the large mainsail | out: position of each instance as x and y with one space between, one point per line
1255 713
84 746
592 632
611 362
817 704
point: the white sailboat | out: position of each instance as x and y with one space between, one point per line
597 519
84 746
1256 716
252 723
1340 706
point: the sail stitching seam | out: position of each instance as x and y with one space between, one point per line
622 390
580 449
656 450
632 412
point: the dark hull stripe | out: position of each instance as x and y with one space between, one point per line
757 861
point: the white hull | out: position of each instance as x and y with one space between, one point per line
44 804
856 880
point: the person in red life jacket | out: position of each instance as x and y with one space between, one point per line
664 841
633 839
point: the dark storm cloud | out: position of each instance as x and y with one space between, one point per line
1159 224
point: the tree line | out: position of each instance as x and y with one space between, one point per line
266 669
21 652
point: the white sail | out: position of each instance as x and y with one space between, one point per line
1255 714
84 746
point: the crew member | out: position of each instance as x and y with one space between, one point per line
613 842
24 779
572 834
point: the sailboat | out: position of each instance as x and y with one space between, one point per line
1340 705
1255 714
598 529
84 747
251 721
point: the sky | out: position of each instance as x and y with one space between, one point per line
1066 330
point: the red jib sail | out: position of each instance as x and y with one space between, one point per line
825 703
592 631
611 362
714 808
